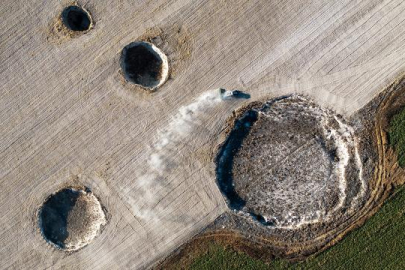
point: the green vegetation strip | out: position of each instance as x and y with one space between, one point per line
217 257
396 135
379 244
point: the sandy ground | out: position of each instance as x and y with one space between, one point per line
68 118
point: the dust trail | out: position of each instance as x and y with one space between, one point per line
161 155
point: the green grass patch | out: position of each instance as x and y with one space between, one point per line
396 135
379 244
219 257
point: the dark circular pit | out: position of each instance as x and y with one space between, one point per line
144 64
76 18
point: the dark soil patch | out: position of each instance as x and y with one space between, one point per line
226 156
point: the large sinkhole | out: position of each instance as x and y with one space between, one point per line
71 218
76 18
144 64
288 162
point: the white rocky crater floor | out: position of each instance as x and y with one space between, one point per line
294 165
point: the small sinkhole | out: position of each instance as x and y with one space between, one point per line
71 218
144 64
76 18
